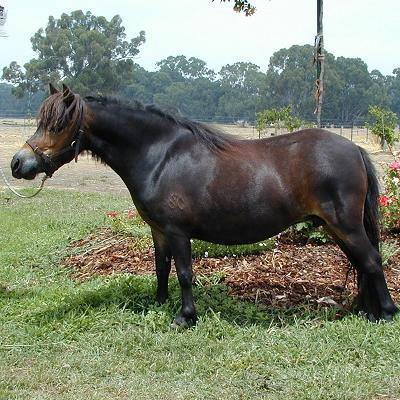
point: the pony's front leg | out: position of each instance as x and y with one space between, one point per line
182 253
163 264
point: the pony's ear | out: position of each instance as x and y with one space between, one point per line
52 89
68 95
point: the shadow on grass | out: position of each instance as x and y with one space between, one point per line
137 294
14 294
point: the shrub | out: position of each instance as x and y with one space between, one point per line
309 231
389 201
388 250
128 222
384 124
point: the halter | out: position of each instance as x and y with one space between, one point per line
54 161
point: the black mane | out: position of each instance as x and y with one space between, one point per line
212 137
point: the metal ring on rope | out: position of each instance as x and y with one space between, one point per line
19 194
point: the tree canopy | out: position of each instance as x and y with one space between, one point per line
93 55
86 51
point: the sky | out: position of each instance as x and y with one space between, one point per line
213 32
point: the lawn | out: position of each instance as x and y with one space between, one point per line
106 338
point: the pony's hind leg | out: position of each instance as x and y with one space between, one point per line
373 295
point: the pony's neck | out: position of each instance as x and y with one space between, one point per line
120 136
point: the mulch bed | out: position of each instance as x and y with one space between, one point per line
294 273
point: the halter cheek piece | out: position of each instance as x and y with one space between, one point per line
54 161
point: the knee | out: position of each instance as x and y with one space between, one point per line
185 278
373 264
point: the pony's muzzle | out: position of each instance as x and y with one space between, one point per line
24 165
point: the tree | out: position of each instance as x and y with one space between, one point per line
11 106
193 98
180 68
145 85
352 88
378 92
242 75
181 83
85 51
291 80
242 84
393 84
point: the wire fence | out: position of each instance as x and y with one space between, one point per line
213 119
14 114
358 131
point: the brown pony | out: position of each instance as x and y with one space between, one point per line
188 180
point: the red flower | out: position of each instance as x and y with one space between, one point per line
131 214
384 200
112 214
395 166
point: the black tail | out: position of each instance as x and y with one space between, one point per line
371 209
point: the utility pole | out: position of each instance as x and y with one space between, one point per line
319 61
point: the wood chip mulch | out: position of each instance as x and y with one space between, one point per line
292 274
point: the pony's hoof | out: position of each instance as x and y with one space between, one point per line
383 315
181 322
162 299
388 315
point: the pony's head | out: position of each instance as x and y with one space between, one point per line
57 137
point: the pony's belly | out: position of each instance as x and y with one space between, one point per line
239 233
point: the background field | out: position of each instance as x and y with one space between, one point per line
87 175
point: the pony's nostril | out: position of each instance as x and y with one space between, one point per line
15 163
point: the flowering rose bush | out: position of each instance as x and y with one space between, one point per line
389 201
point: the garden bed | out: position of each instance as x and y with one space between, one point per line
293 273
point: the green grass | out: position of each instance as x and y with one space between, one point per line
206 249
389 249
106 338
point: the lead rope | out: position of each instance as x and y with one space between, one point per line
19 194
